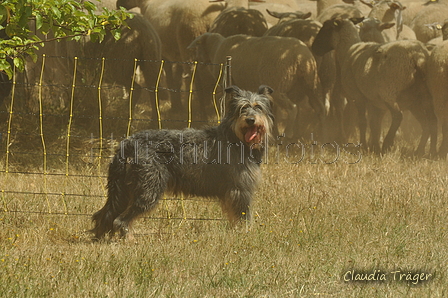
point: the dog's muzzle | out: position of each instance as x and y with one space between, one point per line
254 134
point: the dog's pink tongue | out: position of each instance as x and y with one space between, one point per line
251 134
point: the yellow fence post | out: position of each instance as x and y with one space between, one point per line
131 93
41 129
69 128
214 94
100 120
156 91
190 97
8 134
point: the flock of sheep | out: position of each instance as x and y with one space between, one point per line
372 57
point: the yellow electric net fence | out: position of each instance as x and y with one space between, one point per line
57 142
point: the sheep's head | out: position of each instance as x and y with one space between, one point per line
445 30
328 37
323 43
198 48
288 16
370 29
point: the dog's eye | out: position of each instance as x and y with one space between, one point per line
258 107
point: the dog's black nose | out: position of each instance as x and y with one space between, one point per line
250 120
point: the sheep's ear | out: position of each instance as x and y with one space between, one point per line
336 22
387 25
195 43
234 90
274 14
357 20
306 15
395 5
265 90
322 43
369 4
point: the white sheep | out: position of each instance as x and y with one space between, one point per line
371 29
178 23
280 6
434 13
339 10
381 77
239 20
298 25
146 47
284 63
262 6
391 12
387 11
119 56
444 29
329 74
324 4
289 16
437 83
294 25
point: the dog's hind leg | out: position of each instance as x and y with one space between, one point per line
117 200
148 188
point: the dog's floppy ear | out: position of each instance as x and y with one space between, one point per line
234 90
265 90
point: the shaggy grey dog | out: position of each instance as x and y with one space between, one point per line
220 162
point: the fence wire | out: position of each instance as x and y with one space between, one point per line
54 158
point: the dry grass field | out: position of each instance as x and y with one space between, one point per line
317 227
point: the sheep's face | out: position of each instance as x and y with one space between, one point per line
333 32
324 41
445 30
198 49
370 29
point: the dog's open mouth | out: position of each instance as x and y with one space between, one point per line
254 134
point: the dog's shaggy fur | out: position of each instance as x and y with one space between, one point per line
219 162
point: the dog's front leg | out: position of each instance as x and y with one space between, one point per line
237 204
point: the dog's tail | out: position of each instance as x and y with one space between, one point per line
117 194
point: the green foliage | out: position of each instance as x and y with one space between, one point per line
23 23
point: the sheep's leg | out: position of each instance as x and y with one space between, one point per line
443 150
337 106
292 128
316 100
292 125
376 118
397 116
443 115
139 97
350 119
203 85
174 81
428 121
432 126
361 107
